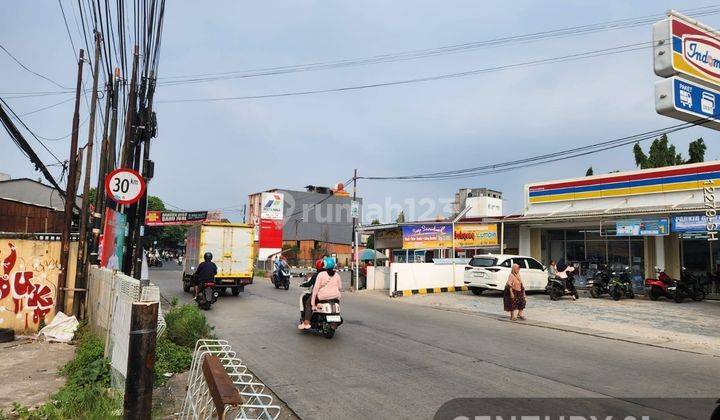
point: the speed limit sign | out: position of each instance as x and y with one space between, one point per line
124 186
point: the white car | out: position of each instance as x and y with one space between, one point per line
491 271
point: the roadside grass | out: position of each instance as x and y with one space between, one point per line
87 393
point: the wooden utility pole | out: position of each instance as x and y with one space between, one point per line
354 280
127 158
85 217
70 193
141 361
111 149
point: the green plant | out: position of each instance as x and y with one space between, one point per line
174 302
170 358
186 324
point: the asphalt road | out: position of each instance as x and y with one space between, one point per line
395 360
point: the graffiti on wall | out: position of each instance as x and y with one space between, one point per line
27 287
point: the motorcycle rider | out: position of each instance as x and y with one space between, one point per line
327 286
280 262
206 272
567 276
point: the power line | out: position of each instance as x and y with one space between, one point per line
571 57
431 52
26 68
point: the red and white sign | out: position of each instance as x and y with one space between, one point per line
125 186
271 233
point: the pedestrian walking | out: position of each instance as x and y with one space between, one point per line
514 295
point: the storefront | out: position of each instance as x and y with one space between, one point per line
633 221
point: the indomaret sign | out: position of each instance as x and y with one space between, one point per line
687 52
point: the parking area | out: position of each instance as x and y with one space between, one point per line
689 326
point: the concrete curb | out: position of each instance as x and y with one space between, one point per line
430 290
578 330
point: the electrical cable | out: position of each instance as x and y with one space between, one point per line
26 68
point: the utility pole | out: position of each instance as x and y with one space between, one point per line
85 217
127 159
111 150
70 193
141 360
356 267
102 171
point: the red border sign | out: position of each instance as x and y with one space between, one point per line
133 172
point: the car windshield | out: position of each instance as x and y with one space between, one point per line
483 261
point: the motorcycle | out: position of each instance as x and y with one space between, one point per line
281 278
325 318
599 284
207 295
155 262
180 260
563 284
621 285
677 290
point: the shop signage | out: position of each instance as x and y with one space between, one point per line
112 244
389 239
696 223
682 46
170 218
271 234
272 206
427 236
647 227
687 101
470 235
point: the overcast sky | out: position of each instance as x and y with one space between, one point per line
212 155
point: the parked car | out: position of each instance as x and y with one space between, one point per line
491 272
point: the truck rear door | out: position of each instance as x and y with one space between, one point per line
241 246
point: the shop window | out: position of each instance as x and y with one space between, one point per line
574 235
596 252
557 250
556 235
619 254
696 255
575 251
593 235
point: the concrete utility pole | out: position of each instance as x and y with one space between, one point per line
70 193
85 217
141 360
127 159
356 268
111 148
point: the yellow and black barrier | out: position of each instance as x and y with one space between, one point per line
398 293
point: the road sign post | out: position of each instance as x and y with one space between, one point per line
125 186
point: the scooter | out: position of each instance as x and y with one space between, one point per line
207 295
281 278
621 285
563 284
325 318
599 284
665 286
180 260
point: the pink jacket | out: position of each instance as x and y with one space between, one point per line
326 287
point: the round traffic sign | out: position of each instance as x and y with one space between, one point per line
124 186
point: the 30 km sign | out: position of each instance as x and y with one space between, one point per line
124 186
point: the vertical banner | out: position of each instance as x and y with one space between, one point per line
113 240
271 224
271 234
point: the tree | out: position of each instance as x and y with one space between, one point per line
589 172
370 244
663 154
165 236
401 217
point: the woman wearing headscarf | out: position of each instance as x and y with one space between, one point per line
514 294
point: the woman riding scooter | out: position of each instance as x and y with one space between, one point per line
327 286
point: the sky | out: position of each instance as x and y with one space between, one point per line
211 155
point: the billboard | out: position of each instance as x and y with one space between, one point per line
112 245
271 233
472 235
171 218
682 46
271 206
646 227
696 223
429 235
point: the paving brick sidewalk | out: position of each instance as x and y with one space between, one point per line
691 326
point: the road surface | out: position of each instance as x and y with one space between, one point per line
396 360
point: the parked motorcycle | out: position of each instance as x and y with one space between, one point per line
207 295
325 318
621 285
281 278
563 284
677 290
599 284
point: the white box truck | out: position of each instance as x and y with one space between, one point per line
232 248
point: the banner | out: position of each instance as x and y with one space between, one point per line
272 206
171 218
427 236
694 223
112 244
470 235
648 227
271 234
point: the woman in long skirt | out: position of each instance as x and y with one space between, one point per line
514 294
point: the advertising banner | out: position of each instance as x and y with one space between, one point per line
172 218
271 233
112 245
272 206
430 235
470 235
696 223
647 227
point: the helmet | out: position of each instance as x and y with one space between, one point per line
329 263
208 256
319 264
